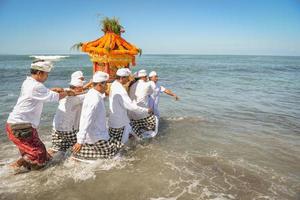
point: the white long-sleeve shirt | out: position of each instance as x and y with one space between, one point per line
154 98
119 103
68 113
29 106
139 93
92 126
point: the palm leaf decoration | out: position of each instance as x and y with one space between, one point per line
77 46
140 51
111 25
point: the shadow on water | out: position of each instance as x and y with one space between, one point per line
163 127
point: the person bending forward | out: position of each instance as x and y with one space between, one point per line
66 119
24 120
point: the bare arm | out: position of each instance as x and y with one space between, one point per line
88 85
169 92
60 91
63 93
57 89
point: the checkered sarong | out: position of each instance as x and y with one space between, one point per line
63 140
116 133
142 125
101 149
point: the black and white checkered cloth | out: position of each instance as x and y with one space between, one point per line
101 149
116 133
142 125
63 140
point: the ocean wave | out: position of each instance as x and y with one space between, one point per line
53 58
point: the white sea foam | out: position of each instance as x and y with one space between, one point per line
52 58
191 189
207 194
56 174
192 119
213 154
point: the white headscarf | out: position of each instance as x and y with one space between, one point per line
100 77
77 74
123 72
153 73
142 73
42 65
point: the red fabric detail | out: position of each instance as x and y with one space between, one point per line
96 67
106 68
32 149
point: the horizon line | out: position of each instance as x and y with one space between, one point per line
57 54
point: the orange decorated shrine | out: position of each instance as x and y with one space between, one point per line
110 52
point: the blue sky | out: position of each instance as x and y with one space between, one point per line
256 27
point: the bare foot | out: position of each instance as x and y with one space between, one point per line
14 165
17 164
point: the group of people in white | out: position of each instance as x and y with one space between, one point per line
80 121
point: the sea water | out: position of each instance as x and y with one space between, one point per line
234 133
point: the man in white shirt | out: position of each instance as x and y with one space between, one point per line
119 104
66 119
139 93
24 120
93 139
154 98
